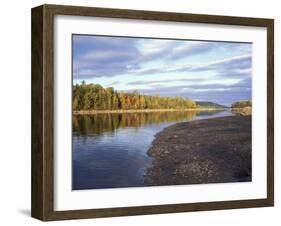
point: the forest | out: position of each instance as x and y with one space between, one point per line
95 97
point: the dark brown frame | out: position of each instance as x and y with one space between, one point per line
42 203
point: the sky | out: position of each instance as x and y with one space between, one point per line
220 72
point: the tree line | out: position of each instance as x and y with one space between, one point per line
95 97
242 104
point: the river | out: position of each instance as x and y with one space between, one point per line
110 150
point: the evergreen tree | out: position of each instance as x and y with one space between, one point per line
95 97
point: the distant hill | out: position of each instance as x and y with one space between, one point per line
206 104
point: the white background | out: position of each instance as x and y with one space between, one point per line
15 112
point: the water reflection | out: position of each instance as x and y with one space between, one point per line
109 150
100 123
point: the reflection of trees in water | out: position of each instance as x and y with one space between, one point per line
99 123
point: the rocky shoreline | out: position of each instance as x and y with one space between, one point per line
217 150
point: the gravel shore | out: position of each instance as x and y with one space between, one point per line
217 150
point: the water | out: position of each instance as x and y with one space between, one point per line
110 150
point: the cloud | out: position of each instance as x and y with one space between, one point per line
165 81
157 87
114 83
237 62
97 56
196 48
237 66
102 56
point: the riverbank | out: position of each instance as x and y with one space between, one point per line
203 151
91 112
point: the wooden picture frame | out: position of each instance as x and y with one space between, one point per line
43 112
